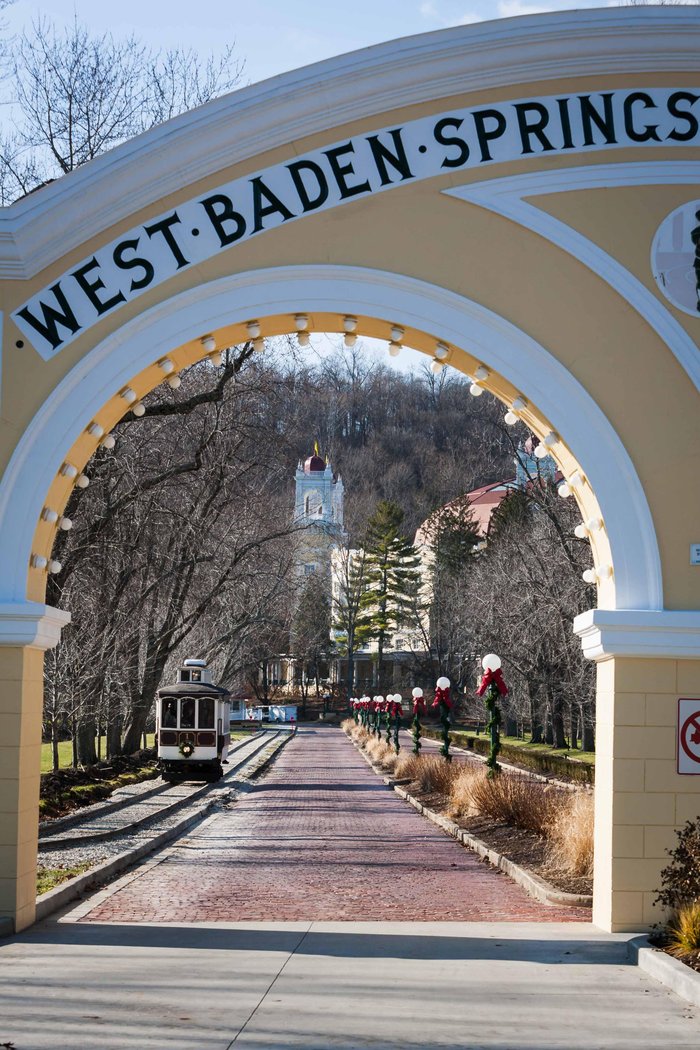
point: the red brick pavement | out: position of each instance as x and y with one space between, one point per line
322 838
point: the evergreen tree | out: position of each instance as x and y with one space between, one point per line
350 631
310 635
389 599
455 541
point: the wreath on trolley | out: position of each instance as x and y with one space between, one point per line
186 748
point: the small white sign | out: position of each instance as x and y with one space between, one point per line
695 553
689 737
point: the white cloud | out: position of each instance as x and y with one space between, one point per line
468 18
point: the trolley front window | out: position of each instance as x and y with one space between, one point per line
187 713
206 712
168 718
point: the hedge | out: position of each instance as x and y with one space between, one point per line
537 761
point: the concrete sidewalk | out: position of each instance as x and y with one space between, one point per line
524 986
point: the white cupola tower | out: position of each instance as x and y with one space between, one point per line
318 508
319 494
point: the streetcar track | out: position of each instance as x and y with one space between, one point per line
50 828
182 794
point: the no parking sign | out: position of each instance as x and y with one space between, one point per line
689 736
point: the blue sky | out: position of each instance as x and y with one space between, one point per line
276 35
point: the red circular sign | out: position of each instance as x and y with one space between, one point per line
690 737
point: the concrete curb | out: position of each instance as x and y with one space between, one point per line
70 890
680 979
535 886
531 883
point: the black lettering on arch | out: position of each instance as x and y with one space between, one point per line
383 155
51 318
604 122
533 118
265 203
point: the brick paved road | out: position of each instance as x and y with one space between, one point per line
322 838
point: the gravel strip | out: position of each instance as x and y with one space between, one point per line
97 853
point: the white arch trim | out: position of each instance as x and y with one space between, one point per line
335 289
511 197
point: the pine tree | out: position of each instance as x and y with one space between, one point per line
392 579
310 634
350 632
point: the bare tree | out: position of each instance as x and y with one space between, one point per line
75 95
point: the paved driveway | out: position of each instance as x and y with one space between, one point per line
322 838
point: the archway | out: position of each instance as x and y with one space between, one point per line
103 302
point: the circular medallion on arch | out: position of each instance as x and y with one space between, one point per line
675 257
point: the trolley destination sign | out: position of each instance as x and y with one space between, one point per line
347 171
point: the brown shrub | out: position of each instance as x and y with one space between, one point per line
570 834
683 932
461 793
436 775
360 736
506 799
408 766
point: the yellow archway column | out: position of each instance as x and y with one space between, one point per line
26 630
647 661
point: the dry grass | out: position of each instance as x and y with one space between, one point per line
408 766
570 833
683 932
507 799
430 772
382 754
461 795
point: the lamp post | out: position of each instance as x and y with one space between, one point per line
398 713
378 707
493 686
443 703
418 710
388 711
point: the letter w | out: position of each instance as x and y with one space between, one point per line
52 318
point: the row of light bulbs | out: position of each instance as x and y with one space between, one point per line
565 488
107 441
301 324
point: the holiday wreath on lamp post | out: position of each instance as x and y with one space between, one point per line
492 687
419 709
444 704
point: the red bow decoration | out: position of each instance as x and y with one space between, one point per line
492 678
396 708
419 707
442 696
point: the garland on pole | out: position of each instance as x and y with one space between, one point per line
492 687
388 708
444 704
419 709
397 711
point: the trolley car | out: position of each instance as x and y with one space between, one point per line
192 725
